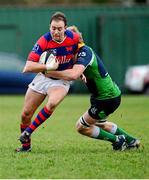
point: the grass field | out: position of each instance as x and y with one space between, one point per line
60 152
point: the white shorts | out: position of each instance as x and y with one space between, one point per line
41 84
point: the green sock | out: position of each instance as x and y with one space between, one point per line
128 137
104 135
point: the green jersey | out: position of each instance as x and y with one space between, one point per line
99 81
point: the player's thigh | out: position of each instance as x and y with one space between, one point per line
55 96
32 100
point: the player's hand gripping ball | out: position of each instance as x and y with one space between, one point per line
49 59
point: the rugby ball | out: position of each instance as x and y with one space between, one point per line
48 58
45 57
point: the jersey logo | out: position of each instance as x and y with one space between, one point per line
54 51
94 110
63 59
82 54
35 48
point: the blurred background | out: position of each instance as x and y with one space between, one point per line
118 30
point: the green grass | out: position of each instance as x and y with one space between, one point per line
60 152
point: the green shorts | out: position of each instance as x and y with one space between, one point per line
100 109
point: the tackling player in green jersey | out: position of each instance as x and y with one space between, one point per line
105 99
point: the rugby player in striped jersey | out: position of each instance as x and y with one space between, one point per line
64 44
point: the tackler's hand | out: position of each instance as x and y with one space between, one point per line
52 63
83 78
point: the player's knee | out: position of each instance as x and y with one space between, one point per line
51 106
78 126
82 126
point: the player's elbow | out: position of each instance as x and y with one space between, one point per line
28 68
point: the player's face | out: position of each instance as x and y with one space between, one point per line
57 29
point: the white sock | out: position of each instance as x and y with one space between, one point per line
95 132
113 129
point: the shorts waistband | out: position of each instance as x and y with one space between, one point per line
49 77
54 78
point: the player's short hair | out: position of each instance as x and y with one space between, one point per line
59 16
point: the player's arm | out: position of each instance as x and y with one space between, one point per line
69 74
35 67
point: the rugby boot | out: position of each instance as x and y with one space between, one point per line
120 144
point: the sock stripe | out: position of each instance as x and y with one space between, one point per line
30 129
26 144
32 126
23 127
35 124
39 119
43 115
47 111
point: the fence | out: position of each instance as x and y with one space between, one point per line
120 35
